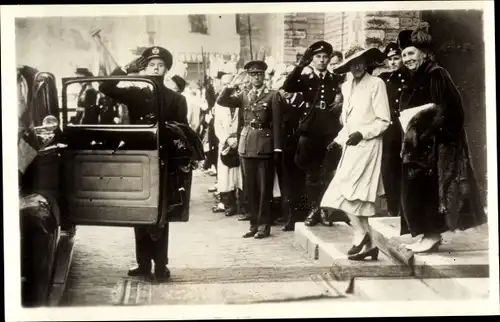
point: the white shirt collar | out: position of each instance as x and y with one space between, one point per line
318 73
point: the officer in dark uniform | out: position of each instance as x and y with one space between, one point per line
152 242
320 123
258 143
396 79
292 178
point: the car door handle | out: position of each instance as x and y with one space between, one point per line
120 145
93 143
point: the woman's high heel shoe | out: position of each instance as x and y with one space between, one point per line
356 249
428 249
373 253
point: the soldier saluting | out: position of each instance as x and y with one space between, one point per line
259 118
395 80
320 123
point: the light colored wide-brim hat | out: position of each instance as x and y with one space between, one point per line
372 56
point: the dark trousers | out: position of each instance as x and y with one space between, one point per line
311 155
391 166
151 244
258 181
292 181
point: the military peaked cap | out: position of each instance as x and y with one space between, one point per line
256 66
321 46
159 52
392 49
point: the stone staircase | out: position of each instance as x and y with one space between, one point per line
459 270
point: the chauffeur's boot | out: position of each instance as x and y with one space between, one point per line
162 273
141 270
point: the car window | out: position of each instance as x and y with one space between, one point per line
111 103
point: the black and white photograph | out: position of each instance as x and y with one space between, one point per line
252 160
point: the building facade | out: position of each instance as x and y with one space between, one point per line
341 29
62 44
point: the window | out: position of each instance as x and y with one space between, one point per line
238 24
198 24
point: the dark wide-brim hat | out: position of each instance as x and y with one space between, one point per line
418 37
159 52
321 46
255 66
230 158
84 72
371 55
392 49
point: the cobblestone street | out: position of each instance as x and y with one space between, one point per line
210 264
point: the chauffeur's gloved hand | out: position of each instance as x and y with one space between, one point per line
354 138
136 65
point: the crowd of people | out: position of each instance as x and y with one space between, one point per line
326 137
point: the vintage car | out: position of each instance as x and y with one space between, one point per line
45 232
111 174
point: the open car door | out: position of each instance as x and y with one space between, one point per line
111 172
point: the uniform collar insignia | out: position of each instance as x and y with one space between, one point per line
311 76
155 51
266 90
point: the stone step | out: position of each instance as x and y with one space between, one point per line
463 254
458 270
466 288
329 246
393 289
415 289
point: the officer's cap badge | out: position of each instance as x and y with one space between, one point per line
155 51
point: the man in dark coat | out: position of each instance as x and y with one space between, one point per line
258 142
319 125
292 178
152 242
396 79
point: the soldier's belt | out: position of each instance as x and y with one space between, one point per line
322 105
258 126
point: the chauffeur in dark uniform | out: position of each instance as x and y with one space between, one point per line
152 242
396 80
259 118
320 123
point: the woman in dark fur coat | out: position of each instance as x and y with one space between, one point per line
439 189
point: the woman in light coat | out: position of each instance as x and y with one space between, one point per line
365 116
229 180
